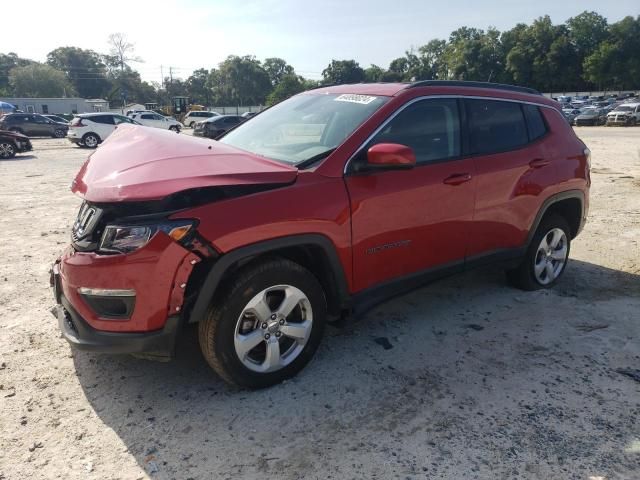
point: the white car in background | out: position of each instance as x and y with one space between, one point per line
191 118
91 129
153 119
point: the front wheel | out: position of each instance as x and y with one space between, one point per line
546 257
266 326
7 150
59 133
175 129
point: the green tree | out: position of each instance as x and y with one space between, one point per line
38 80
7 63
587 31
343 71
277 68
240 81
197 89
84 68
288 86
373 74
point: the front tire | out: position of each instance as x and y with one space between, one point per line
547 256
7 150
59 133
266 326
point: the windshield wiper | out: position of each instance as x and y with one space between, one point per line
311 160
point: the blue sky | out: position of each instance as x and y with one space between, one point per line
189 34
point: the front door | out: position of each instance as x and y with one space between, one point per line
406 222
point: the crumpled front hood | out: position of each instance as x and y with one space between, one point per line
16 135
139 163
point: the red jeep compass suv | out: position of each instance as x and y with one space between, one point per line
325 204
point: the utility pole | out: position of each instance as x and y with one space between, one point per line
161 77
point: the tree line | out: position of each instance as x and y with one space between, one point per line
584 53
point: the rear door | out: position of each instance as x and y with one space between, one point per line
409 221
512 168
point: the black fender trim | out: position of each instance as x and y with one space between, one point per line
225 261
569 194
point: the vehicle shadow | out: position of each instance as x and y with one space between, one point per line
431 367
18 157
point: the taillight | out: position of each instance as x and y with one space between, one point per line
77 122
587 154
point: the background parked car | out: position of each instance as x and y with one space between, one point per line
57 119
215 126
33 125
91 129
152 119
591 116
625 114
249 114
12 143
570 114
191 118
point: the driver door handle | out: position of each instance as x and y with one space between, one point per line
457 179
539 162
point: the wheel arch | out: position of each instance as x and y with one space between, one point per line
315 252
569 204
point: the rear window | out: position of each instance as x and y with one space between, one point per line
535 122
495 126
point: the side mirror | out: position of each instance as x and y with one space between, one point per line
391 155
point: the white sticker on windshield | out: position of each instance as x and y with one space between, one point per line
353 98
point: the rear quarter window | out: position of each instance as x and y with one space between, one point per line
535 122
495 126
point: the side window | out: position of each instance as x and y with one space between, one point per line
535 123
146 116
430 127
120 120
495 126
105 119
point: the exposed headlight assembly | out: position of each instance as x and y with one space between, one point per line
127 238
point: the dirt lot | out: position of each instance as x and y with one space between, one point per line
481 380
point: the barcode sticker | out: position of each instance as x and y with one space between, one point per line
353 98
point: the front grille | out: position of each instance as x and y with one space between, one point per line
85 232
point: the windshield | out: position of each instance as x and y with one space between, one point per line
304 127
623 108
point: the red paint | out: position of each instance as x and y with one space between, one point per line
383 224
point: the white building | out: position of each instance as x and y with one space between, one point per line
58 105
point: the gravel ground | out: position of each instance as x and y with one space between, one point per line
466 378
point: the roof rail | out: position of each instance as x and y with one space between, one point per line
462 83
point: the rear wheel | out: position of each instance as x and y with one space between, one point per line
266 326
7 150
90 140
192 124
59 133
546 257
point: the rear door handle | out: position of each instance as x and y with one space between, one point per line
539 162
457 179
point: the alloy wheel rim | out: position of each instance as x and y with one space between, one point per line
90 141
551 256
59 133
273 328
6 150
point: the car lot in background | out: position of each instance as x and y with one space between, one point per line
155 120
214 127
627 114
12 143
191 118
91 129
33 125
249 114
590 116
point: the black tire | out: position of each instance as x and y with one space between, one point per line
7 150
192 125
90 140
217 331
59 133
523 276
175 129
